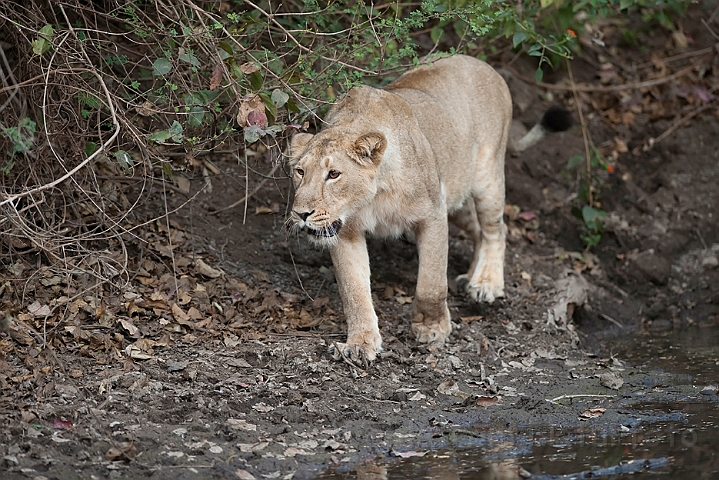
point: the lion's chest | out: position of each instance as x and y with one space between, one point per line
389 216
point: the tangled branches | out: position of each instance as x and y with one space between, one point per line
106 104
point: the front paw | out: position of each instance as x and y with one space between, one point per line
485 291
435 333
433 326
359 353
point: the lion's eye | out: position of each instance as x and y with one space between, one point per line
333 174
300 172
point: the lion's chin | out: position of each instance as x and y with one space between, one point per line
326 232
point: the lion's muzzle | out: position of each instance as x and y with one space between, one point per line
328 231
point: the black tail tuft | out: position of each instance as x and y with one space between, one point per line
557 119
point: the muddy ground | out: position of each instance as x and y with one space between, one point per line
222 370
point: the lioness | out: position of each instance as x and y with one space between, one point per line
403 158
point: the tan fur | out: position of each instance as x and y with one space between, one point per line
426 147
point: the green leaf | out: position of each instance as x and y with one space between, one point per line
226 47
253 133
175 132
623 4
256 80
124 159
436 33
159 136
279 97
592 218
189 58
574 161
197 114
589 214
161 66
44 40
539 75
235 69
274 130
518 38
292 106
270 107
591 240
90 148
167 168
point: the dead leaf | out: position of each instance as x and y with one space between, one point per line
129 326
680 39
410 453
253 447
173 366
448 387
216 78
333 445
60 424
206 270
262 210
146 109
183 298
512 211
123 451
239 424
306 320
417 397
181 317
260 276
249 67
611 380
486 401
527 216
252 112
262 407
183 184
238 362
292 451
471 318
244 474
592 413
572 293
27 417
38 310
402 300
620 145
49 282
134 352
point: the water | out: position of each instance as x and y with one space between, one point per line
687 435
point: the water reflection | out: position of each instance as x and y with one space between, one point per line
688 432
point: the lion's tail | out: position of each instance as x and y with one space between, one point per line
556 119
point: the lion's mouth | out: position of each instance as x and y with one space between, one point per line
326 232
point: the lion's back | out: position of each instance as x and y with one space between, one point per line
463 107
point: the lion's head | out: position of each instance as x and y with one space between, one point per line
334 176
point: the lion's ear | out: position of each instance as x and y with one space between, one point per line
299 145
369 147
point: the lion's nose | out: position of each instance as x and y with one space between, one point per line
304 215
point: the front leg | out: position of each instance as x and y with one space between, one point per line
351 262
430 315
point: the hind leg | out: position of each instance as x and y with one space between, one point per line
486 278
430 315
466 219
